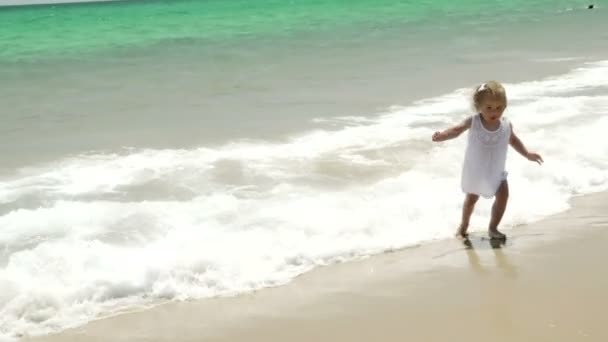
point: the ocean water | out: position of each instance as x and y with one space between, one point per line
176 150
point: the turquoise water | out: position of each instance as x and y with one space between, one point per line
172 74
34 33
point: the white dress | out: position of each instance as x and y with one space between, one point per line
485 158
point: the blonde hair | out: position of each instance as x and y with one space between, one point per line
491 89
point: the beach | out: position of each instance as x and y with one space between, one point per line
547 283
214 170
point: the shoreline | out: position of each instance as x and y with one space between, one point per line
542 284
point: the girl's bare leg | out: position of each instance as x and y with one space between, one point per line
467 210
498 209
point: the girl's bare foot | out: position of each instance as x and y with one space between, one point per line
461 233
495 234
463 237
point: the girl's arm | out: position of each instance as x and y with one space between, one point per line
454 131
519 147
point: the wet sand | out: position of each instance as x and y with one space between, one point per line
546 283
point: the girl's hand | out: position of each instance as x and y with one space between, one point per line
535 157
437 136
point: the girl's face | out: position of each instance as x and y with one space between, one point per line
492 108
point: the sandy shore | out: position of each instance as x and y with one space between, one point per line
548 283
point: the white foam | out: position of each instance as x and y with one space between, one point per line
92 234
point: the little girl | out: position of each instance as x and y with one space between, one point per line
483 172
